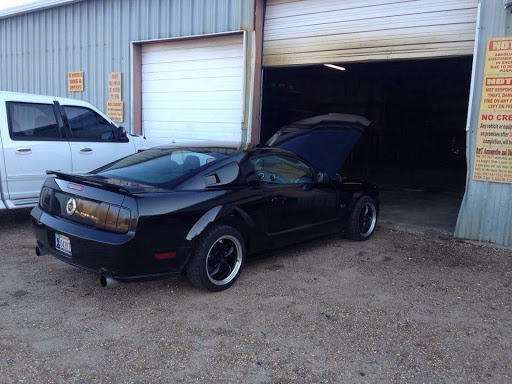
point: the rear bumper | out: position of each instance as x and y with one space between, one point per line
103 271
124 257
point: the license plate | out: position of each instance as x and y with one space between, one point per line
63 244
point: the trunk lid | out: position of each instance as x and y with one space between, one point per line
89 203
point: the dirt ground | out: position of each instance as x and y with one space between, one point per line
398 308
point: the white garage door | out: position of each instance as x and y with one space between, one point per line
332 31
192 90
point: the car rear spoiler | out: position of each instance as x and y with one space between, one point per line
87 180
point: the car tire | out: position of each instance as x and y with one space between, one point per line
217 258
362 219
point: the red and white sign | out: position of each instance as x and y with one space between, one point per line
114 86
75 81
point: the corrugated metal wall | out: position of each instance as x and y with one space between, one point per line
38 49
486 211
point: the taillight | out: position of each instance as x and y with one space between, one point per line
123 220
45 199
111 221
117 219
92 213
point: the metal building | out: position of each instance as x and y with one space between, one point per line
300 36
235 70
486 211
194 57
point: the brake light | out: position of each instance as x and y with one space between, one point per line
102 215
45 199
123 220
93 213
117 219
76 187
111 220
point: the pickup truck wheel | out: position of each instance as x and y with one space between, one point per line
217 259
362 220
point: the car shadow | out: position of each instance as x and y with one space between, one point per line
18 220
182 287
14 219
291 250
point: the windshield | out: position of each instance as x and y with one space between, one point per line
161 167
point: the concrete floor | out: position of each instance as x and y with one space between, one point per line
421 212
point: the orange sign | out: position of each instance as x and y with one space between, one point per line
75 81
493 157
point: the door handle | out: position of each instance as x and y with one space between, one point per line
277 199
23 150
86 150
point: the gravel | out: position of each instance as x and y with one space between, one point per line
398 308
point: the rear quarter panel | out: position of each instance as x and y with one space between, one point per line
166 220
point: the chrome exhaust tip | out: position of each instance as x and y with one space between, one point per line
107 281
40 251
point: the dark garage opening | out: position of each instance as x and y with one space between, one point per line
414 149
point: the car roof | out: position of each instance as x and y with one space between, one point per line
33 97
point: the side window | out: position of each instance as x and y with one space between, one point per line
86 124
275 169
32 121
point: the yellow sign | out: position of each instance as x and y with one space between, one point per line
115 110
493 157
75 81
114 86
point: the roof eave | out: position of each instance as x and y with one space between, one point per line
34 7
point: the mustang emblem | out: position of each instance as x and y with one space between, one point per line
71 206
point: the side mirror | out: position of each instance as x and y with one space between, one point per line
122 133
308 186
321 177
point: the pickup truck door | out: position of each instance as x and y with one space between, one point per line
33 141
93 139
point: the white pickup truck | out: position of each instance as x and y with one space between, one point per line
40 133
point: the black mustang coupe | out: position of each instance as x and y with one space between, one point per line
200 211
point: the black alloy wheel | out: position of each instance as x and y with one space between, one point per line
362 220
217 258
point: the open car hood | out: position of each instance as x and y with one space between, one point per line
325 141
